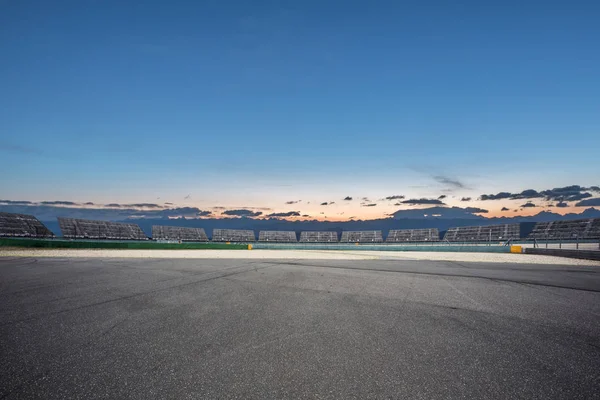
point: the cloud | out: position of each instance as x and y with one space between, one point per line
566 193
370 205
243 213
395 197
59 203
366 199
528 205
347 198
293 201
167 203
47 212
561 204
504 209
143 205
589 202
423 201
499 196
89 203
16 202
476 210
285 214
442 197
465 199
454 183
594 188
113 205
305 215
525 194
325 203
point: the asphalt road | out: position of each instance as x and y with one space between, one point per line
142 329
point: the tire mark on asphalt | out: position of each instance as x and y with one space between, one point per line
246 269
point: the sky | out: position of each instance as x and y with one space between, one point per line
229 105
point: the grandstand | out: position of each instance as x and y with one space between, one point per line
233 235
483 233
22 225
277 236
318 237
73 228
362 236
413 235
574 229
178 233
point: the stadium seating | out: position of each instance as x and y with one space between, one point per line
277 236
413 235
574 229
22 225
233 235
318 237
178 233
483 233
73 228
362 236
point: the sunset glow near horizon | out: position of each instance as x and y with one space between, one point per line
277 108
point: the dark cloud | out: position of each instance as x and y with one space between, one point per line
219 208
191 212
89 203
576 197
48 212
366 199
58 203
397 204
528 205
395 197
242 213
143 205
113 205
285 214
567 193
325 203
499 196
465 199
423 201
347 198
455 183
504 209
594 188
306 215
476 210
442 197
293 201
527 194
589 202
561 204
370 205
16 202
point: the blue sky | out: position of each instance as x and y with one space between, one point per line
250 104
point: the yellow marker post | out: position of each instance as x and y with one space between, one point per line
249 247
516 249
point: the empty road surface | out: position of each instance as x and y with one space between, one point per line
84 328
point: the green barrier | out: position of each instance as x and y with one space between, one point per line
384 247
76 244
